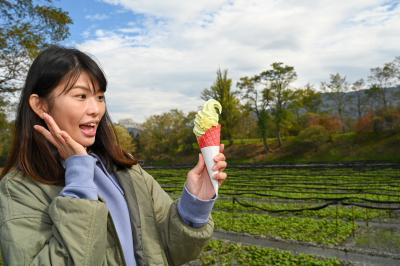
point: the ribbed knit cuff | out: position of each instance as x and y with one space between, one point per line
194 211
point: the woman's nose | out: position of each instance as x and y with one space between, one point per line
93 107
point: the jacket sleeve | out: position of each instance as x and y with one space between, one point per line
36 230
182 242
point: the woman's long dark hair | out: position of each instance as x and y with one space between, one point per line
31 152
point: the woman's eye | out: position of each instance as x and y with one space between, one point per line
101 97
81 96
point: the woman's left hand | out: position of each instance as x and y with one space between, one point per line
198 181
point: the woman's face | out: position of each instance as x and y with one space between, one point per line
79 110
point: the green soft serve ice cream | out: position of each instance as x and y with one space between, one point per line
207 117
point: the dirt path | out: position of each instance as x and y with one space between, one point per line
358 257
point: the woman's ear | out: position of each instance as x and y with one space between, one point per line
38 105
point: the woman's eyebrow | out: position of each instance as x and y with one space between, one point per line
82 87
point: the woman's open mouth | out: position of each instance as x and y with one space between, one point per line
89 129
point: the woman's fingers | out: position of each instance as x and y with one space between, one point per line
53 127
46 134
220 166
220 162
64 143
219 157
66 137
71 143
221 176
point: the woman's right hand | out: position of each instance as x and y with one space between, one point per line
65 145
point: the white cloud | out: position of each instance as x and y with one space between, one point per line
172 9
97 17
165 59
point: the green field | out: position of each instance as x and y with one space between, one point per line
323 207
225 253
319 207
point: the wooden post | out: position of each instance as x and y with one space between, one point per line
337 223
352 220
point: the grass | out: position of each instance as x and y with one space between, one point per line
219 252
318 231
345 147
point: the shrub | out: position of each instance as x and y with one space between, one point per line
365 123
381 121
331 123
313 137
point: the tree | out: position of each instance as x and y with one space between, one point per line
221 91
276 82
358 87
304 100
336 88
26 27
257 100
168 135
247 124
311 99
382 78
6 129
373 96
331 123
124 138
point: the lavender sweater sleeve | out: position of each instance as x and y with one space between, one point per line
79 183
79 174
194 211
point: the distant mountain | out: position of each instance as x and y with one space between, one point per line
368 103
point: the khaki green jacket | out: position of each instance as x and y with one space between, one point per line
39 227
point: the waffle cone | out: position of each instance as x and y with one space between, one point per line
209 145
212 137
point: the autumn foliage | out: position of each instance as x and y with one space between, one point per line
384 120
331 123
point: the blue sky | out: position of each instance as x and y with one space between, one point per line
159 55
90 15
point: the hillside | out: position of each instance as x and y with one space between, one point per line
341 147
366 102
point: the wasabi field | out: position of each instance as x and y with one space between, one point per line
301 216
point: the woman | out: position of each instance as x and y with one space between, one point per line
69 195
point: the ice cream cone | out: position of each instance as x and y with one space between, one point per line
209 144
